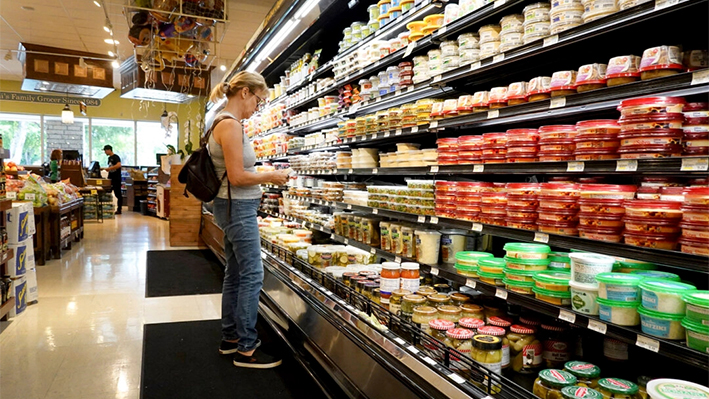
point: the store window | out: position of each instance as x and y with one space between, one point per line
117 133
22 135
66 137
153 140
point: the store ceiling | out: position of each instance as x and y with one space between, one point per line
78 25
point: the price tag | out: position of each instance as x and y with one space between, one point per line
575 166
470 283
501 293
375 171
498 57
11 195
455 377
374 136
700 77
349 206
263 255
422 219
398 132
541 237
400 341
477 227
567 316
346 241
397 259
434 271
557 102
475 65
433 125
351 308
29 196
354 108
372 251
328 292
660 4
626 165
549 40
694 164
495 113
434 169
436 78
429 360
414 129
498 3
648 343
409 88
597 326
94 192
387 134
409 49
434 220
397 92
375 211
350 171
347 77
332 236
442 30
412 349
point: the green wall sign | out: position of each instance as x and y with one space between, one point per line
47 98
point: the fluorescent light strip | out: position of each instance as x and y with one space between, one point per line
276 41
306 8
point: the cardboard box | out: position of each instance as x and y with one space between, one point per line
32 293
22 259
20 287
19 222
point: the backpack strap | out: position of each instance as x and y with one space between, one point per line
205 140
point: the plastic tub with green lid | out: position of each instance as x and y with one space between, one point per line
553 281
619 286
665 388
661 325
665 296
697 304
523 250
697 335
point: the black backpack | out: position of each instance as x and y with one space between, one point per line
198 174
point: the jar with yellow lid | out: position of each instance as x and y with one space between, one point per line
437 300
459 299
396 299
550 382
473 310
587 374
450 313
487 350
408 303
422 315
382 120
394 118
525 349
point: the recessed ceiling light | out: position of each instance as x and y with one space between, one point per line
111 41
115 64
27 8
97 3
222 67
111 54
106 28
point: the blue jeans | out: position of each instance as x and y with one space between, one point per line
243 277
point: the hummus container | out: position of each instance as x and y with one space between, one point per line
561 228
619 286
650 240
520 287
521 223
608 221
560 261
656 274
489 33
526 264
562 190
553 133
620 313
665 296
696 196
552 281
586 266
592 206
660 61
553 297
649 209
470 258
529 203
563 83
584 298
467 271
512 23
697 305
536 30
491 265
591 77
468 41
526 276
665 388
601 234
596 127
491 278
489 49
622 70
661 325
606 191
557 215
556 156
649 122
539 88
697 335
651 106
651 226
536 12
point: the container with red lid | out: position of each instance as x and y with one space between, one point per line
523 202
498 97
522 158
493 198
494 159
472 187
606 221
672 194
465 104
480 100
652 121
652 225
622 70
522 150
556 156
695 214
521 213
552 203
468 208
591 154
525 224
516 189
602 206
491 153
522 137
446 198
494 140
653 152
660 61
599 142
693 231
473 217
447 144
651 105
694 247
442 185
562 228
601 234
564 146
567 215
607 191
597 127
559 190
493 220
556 132
648 193
696 196
591 77
650 240
563 83
467 200
470 143
651 137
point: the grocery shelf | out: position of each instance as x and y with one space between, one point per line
463 24
6 307
402 96
330 89
631 335
675 259
5 204
327 67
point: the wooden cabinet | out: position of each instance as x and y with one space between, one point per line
185 214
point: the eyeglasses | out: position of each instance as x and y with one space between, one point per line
260 103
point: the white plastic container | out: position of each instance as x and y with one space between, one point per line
665 296
584 298
428 246
620 313
585 267
664 388
452 242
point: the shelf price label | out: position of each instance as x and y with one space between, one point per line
648 343
434 169
29 197
372 251
626 165
433 125
499 57
398 132
495 113
415 129
409 88
397 259
349 206
557 102
332 236
694 164
387 134
597 326
375 211
347 241
422 219
575 166
434 271
567 316
412 349
478 227
263 255
700 77
375 171
350 171
436 78
434 220
479 168
541 237
409 49
374 136
548 41
470 283
455 377
498 3
475 65
442 30
429 360
501 293
400 341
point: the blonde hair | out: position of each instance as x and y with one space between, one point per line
252 80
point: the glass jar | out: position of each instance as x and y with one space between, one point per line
618 388
368 290
408 242
500 333
459 339
450 313
439 328
487 350
422 315
442 288
425 291
390 276
555 340
587 374
408 303
384 236
500 321
471 323
550 382
473 310
395 300
525 349
437 300
410 276
459 299
491 311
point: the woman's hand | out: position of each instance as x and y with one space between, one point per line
279 177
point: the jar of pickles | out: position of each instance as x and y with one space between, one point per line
408 303
587 374
471 323
500 333
422 315
618 388
550 382
487 350
396 299
459 339
473 310
576 392
439 328
525 349
450 313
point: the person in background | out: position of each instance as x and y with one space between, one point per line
54 159
233 152
114 173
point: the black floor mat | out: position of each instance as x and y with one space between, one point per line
180 360
171 273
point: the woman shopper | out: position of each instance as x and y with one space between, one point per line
54 161
232 151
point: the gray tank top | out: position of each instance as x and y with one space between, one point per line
249 157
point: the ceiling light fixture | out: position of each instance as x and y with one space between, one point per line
27 8
110 41
222 67
106 28
111 54
67 115
115 64
97 4
307 7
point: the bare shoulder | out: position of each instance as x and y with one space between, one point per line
227 129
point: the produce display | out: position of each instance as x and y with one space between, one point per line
33 188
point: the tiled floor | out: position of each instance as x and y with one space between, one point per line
84 337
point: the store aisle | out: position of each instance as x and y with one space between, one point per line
84 337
